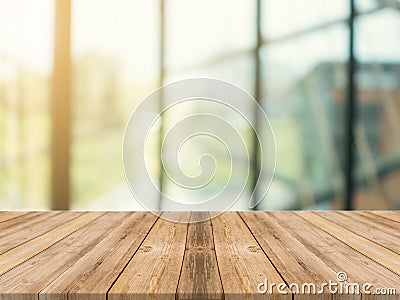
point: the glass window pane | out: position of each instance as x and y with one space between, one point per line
373 5
115 51
239 71
197 31
26 44
303 79
288 16
377 131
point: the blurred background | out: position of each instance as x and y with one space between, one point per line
326 72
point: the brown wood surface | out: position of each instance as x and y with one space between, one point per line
138 255
200 256
11 215
373 250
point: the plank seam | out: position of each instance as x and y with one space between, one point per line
361 236
375 213
216 259
49 246
133 255
370 217
183 258
277 271
88 248
30 217
310 248
351 246
1 253
22 214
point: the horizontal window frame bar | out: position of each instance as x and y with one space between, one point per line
292 35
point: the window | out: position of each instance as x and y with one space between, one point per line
25 68
293 56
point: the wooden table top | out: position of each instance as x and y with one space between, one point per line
136 255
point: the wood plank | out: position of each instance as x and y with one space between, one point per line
367 228
295 263
154 271
242 263
8 215
94 273
25 232
21 220
124 255
376 252
200 276
336 254
29 278
392 215
388 225
18 255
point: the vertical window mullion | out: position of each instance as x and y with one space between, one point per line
255 166
61 108
161 101
351 113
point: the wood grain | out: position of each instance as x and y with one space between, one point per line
366 225
337 255
138 255
295 263
8 215
23 252
155 269
12 224
392 215
200 277
243 265
35 274
386 220
19 234
93 274
373 250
